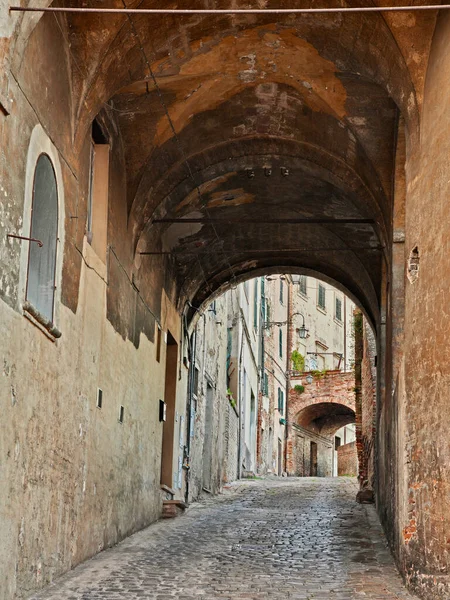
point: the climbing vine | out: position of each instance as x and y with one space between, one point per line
298 361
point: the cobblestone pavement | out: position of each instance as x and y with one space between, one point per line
298 539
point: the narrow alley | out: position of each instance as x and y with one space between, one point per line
301 538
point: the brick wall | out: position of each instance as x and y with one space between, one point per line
368 425
347 459
365 375
335 386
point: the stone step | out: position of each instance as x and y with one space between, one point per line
173 508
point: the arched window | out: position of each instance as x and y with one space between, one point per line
44 227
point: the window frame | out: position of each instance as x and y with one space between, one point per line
303 279
29 306
280 401
319 305
40 143
337 300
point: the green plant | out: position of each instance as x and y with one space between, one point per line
317 374
299 389
231 400
298 361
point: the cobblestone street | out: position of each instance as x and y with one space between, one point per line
304 539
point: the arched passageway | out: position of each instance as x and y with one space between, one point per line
190 154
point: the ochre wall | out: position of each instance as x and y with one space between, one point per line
74 480
422 383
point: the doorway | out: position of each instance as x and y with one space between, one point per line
313 468
208 438
280 457
169 423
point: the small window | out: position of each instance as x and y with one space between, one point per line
281 291
121 414
280 401
195 382
280 342
266 385
97 208
255 305
302 287
158 344
44 227
338 311
321 297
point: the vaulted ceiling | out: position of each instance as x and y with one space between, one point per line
273 137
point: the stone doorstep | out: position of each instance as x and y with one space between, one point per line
168 490
173 508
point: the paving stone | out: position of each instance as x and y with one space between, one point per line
286 539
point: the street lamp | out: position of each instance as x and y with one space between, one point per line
302 331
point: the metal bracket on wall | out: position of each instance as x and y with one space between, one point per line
22 237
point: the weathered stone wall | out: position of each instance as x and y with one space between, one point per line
299 453
231 471
347 458
421 383
209 443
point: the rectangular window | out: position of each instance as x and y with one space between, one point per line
321 297
338 311
280 342
255 305
302 288
195 382
266 385
281 291
158 344
280 401
97 217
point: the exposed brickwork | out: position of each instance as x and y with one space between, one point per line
328 400
333 387
365 374
347 459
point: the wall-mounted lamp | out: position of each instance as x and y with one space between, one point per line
302 331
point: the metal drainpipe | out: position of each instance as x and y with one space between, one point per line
345 334
240 399
288 374
189 410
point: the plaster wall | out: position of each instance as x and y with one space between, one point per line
244 368
211 348
272 427
75 480
325 331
